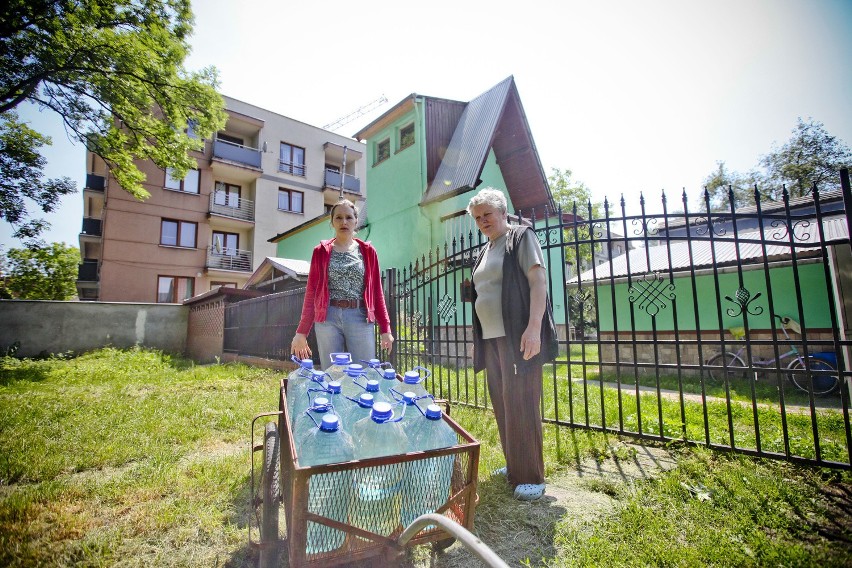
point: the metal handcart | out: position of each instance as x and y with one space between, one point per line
282 481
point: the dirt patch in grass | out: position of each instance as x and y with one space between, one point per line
521 532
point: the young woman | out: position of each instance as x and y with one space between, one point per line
344 296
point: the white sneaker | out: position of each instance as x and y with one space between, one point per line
529 491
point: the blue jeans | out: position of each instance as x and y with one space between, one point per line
346 330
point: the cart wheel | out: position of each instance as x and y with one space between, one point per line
443 544
271 483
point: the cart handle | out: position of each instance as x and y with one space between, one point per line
468 539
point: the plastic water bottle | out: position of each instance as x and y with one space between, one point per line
330 493
411 416
412 381
377 493
373 368
374 388
300 397
388 384
427 481
352 380
297 378
339 363
307 420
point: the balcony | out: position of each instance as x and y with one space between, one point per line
87 271
351 184
95 182
91 227
235 161
228 259
231 207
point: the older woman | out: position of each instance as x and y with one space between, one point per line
344 296
514 335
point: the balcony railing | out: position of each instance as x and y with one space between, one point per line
292 168
350 183
87 271
237 153
229 259
95 182
229 206
91 226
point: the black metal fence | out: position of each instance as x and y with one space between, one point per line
718 328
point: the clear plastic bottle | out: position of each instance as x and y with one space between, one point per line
377 491
427 481
297 378
389 384
412 381
352 380
339 363
360 409
307 420
300 397
373 367
330 493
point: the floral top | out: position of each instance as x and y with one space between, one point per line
346 275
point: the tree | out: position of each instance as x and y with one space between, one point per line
46 272
21 170
572 196
810 157
113 70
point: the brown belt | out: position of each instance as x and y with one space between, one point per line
346 303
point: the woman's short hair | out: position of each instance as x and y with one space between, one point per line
343 202
489 196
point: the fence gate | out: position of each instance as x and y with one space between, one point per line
723 328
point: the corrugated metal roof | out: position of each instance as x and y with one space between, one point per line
470 144
676 255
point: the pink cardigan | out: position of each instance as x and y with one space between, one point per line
316 295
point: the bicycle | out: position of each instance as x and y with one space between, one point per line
825 379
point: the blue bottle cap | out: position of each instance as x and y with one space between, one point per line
389 374
307 363
334 387
411 377
320 404
329 423
317 375
372 385
365 400
433 412
341 358
382 412
354 370
375 363
408 397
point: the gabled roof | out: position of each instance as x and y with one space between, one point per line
495 119
290 267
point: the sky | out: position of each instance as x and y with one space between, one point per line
632 96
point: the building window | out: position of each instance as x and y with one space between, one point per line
382 150
226 244
406 136
291 200
178 233
292 160
174 289
227 195
189 184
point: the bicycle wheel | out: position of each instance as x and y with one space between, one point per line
725 365
824 378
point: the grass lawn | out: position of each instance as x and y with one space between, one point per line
137 458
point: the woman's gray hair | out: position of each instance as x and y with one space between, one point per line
488 196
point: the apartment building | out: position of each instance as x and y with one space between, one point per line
262 175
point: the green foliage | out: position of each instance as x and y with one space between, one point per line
113 70
43 272
810 157
21 170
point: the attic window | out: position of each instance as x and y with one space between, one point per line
382 150
406 136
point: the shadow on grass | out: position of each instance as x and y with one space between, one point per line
27 374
